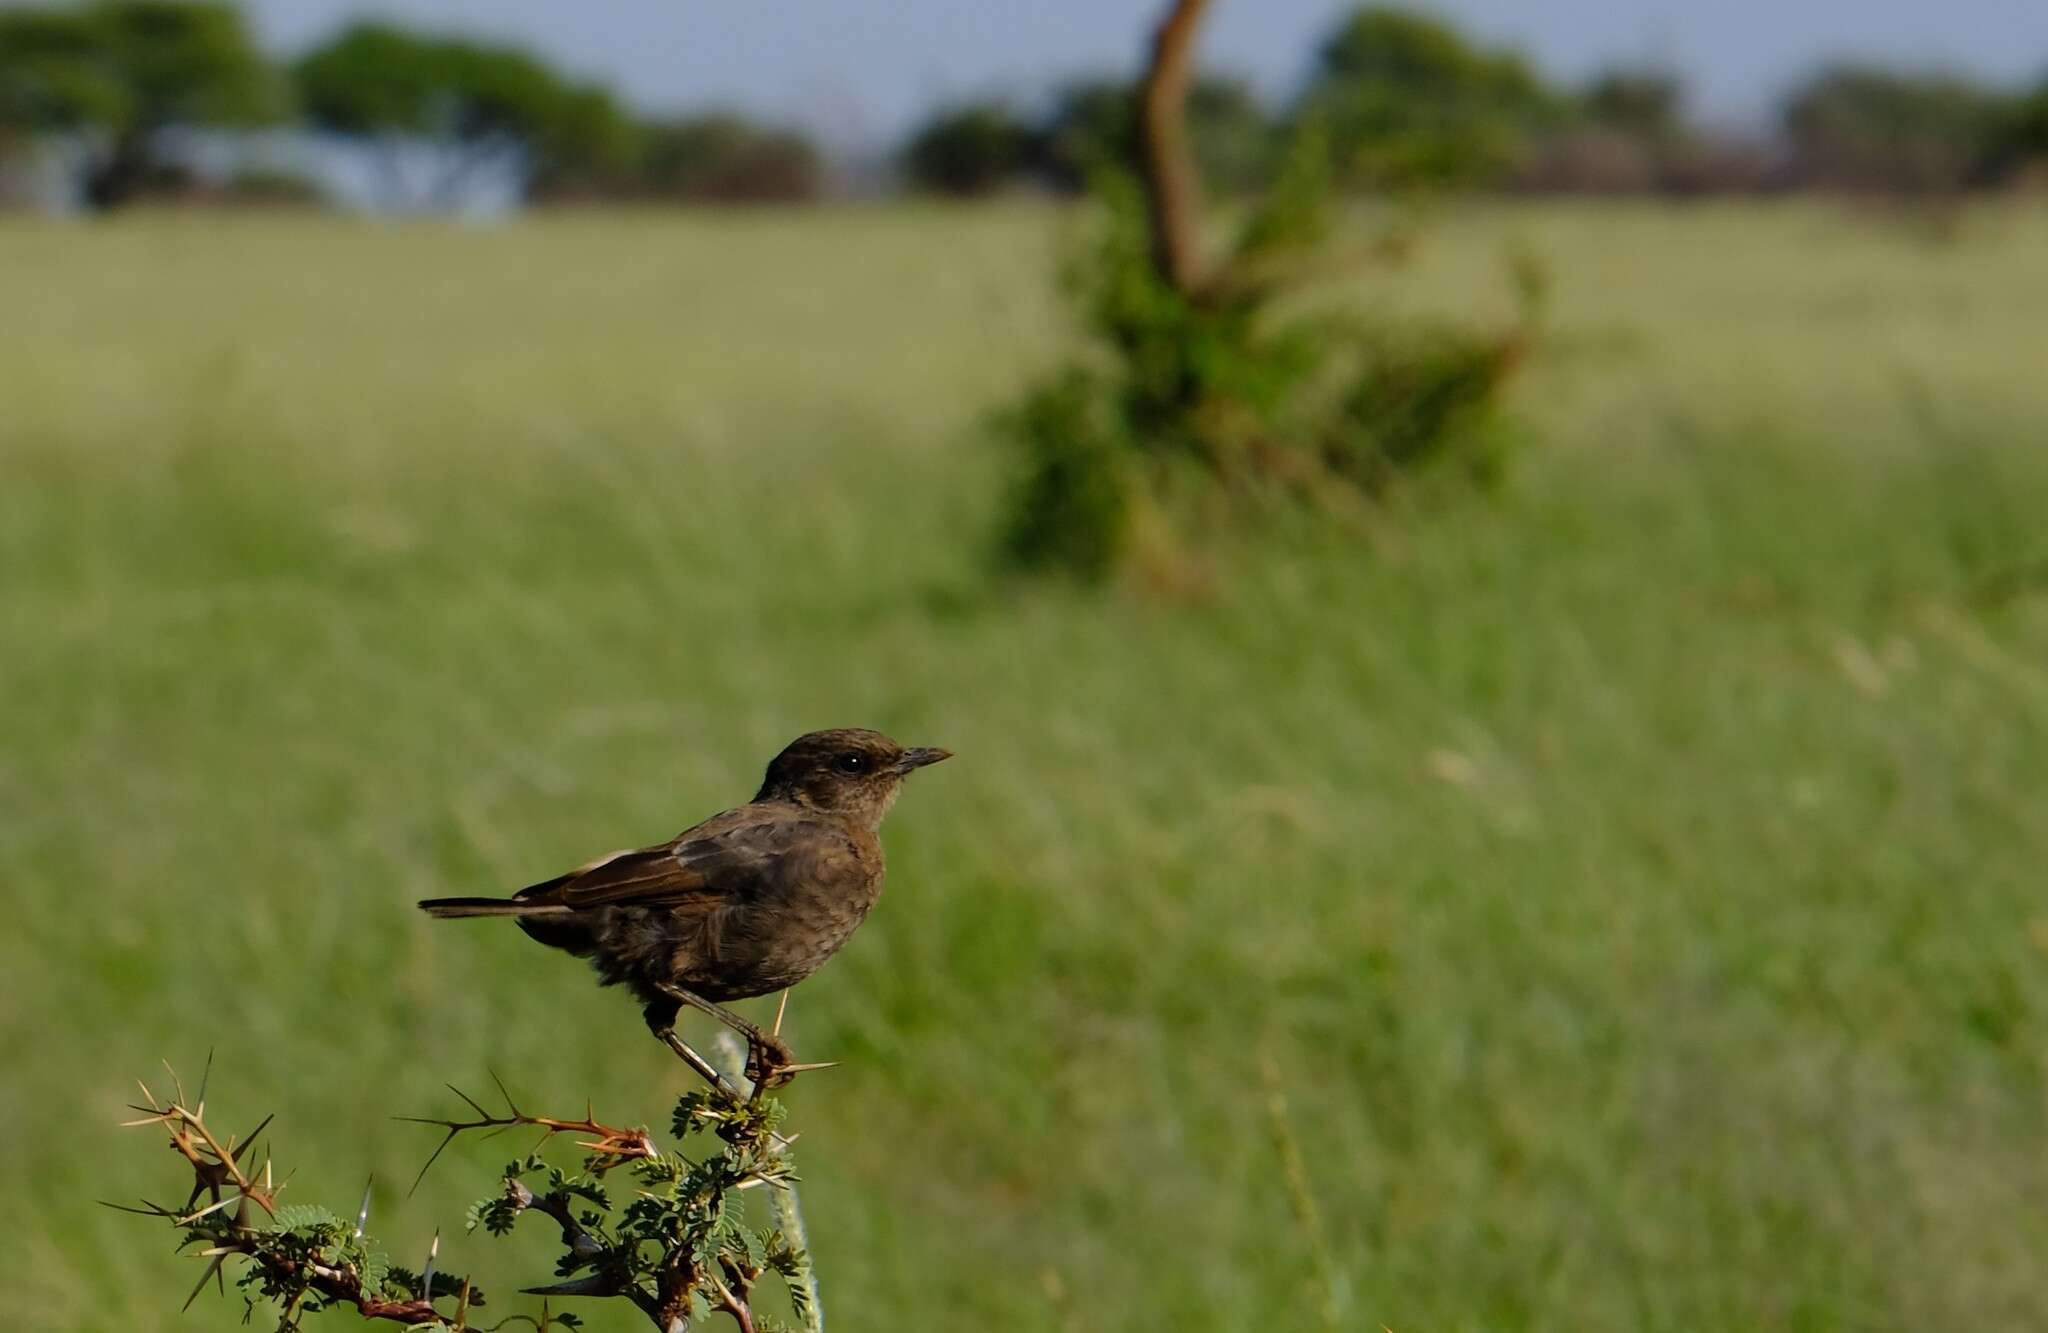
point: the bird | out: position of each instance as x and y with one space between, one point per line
749 902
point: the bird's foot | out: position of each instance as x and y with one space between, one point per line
770 1063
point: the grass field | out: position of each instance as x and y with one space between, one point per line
1638 882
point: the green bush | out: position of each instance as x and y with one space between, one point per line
1424 394
1181 397
1072 505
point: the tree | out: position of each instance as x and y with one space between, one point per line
479 103
120 73
1865 128
586 140
1624 135
1206 378
56 74
973 148
1642 102
2021 144
1408 101
726 158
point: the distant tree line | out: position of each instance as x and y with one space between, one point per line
1405 100
110 79
1401 99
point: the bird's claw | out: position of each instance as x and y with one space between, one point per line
767 1056
770 1062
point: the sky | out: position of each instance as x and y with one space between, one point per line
859 72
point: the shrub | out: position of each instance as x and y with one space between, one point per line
1188 392
677 1244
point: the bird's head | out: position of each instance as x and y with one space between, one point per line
850 773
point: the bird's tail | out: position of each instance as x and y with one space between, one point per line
454 907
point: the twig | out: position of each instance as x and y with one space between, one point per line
609 1146
575 1237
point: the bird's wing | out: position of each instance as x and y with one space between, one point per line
724 859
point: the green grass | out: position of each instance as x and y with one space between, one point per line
1637 881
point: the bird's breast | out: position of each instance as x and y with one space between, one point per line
796 924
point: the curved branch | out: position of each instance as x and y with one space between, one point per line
1173 181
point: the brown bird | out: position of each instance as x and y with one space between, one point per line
748 902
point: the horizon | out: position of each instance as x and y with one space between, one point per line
860 82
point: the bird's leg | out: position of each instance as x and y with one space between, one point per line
705 1069
661 1019
770 1062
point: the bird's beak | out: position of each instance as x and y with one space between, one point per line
919 757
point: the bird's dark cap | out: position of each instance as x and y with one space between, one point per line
920 756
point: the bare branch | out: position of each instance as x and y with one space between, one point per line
1173 182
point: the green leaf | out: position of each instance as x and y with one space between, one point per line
304 1217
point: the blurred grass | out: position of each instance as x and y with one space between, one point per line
1637 881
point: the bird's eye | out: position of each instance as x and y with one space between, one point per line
851 763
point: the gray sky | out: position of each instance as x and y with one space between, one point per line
858 73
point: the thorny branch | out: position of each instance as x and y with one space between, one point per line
680 1250
303 1267
609 1145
